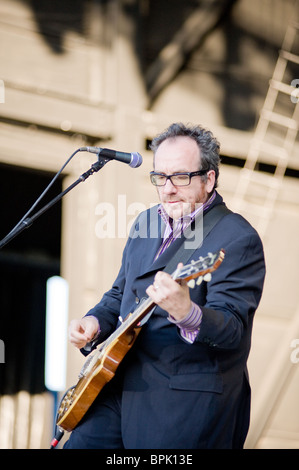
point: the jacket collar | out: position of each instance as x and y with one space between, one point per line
151 245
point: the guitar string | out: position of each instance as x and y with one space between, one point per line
136 315
69 395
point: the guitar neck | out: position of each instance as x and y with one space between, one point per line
195 269
133 319
101 365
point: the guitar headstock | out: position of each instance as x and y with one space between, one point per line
200 269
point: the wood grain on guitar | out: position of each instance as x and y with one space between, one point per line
101 365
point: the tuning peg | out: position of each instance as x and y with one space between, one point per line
207 277
199 281
191 283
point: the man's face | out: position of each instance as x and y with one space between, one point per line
177 155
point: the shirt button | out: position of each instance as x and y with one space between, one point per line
137 300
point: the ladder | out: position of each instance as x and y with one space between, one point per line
274 138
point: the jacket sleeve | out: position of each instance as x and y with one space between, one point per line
233 294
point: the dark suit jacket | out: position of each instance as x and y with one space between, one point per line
176 394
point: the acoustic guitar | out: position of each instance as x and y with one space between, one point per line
102 363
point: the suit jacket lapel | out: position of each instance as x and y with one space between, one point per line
151 247
160 263
149 232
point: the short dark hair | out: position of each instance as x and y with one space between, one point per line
208 145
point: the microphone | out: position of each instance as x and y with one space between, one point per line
134 159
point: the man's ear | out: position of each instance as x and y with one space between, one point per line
210 183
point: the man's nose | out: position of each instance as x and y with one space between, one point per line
169 187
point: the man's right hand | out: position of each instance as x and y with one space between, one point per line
83 331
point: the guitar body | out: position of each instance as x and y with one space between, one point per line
101 365
101 368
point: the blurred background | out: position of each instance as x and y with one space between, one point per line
113 73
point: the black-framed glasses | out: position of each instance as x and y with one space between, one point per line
177 179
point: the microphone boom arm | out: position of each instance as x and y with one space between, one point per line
27 222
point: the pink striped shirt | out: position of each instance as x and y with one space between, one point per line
190 325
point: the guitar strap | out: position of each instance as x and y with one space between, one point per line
183 254
210 219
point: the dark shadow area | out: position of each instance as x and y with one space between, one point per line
241 89
25 265
55 18
151 26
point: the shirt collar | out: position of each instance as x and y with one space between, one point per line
187 218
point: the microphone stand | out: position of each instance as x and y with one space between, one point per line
26 223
